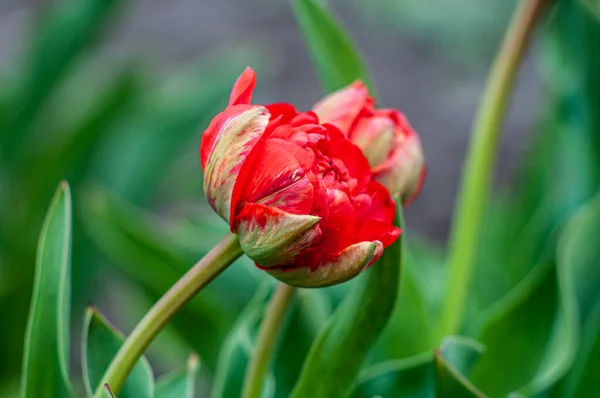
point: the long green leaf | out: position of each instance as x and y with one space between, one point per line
333 52
68 31
239 345
46 360
423 375
337 355
101 342
578 257
452 361
179 383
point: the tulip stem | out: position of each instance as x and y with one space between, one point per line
205 270
478 168
267 337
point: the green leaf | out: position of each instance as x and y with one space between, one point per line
416 376
337 60
578 256
180 383
455 357
167 126
239 345
71 153
341 348
101 342
408 331
511 320
46 359
593 6
68 31
305 319
399 378
153 253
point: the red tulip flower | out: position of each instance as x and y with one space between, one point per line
299 195
389 143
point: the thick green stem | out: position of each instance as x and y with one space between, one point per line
267 337
478 168
217 260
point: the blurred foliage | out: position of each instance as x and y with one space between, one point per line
534 317
64 116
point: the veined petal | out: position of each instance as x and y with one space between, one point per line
243 88
226 145
277 177
271 236
347 264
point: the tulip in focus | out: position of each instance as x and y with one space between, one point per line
389 143
299 195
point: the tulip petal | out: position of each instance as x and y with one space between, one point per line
277 177
271 236
243 88
402 172
226 144
347 264
343 106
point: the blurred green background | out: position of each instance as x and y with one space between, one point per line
113 97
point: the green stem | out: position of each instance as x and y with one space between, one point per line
478 168
215 261
267 336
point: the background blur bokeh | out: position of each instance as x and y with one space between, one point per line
113 96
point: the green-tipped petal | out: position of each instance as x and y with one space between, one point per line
226 145
271 236
348 264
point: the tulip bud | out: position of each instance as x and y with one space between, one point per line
385 137
298 194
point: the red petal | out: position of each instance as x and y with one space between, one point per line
282 109
383 207
276 176
243 87
372 230
339 227
353 158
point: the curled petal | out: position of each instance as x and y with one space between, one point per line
226 144
375 137
343 106
243 88
271 236
347 264
403 172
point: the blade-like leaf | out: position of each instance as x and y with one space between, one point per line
399 378
511 321
417 376
69 30
239 345
578 256
336 58
341 348
101 342
180 383
452 361
46 360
